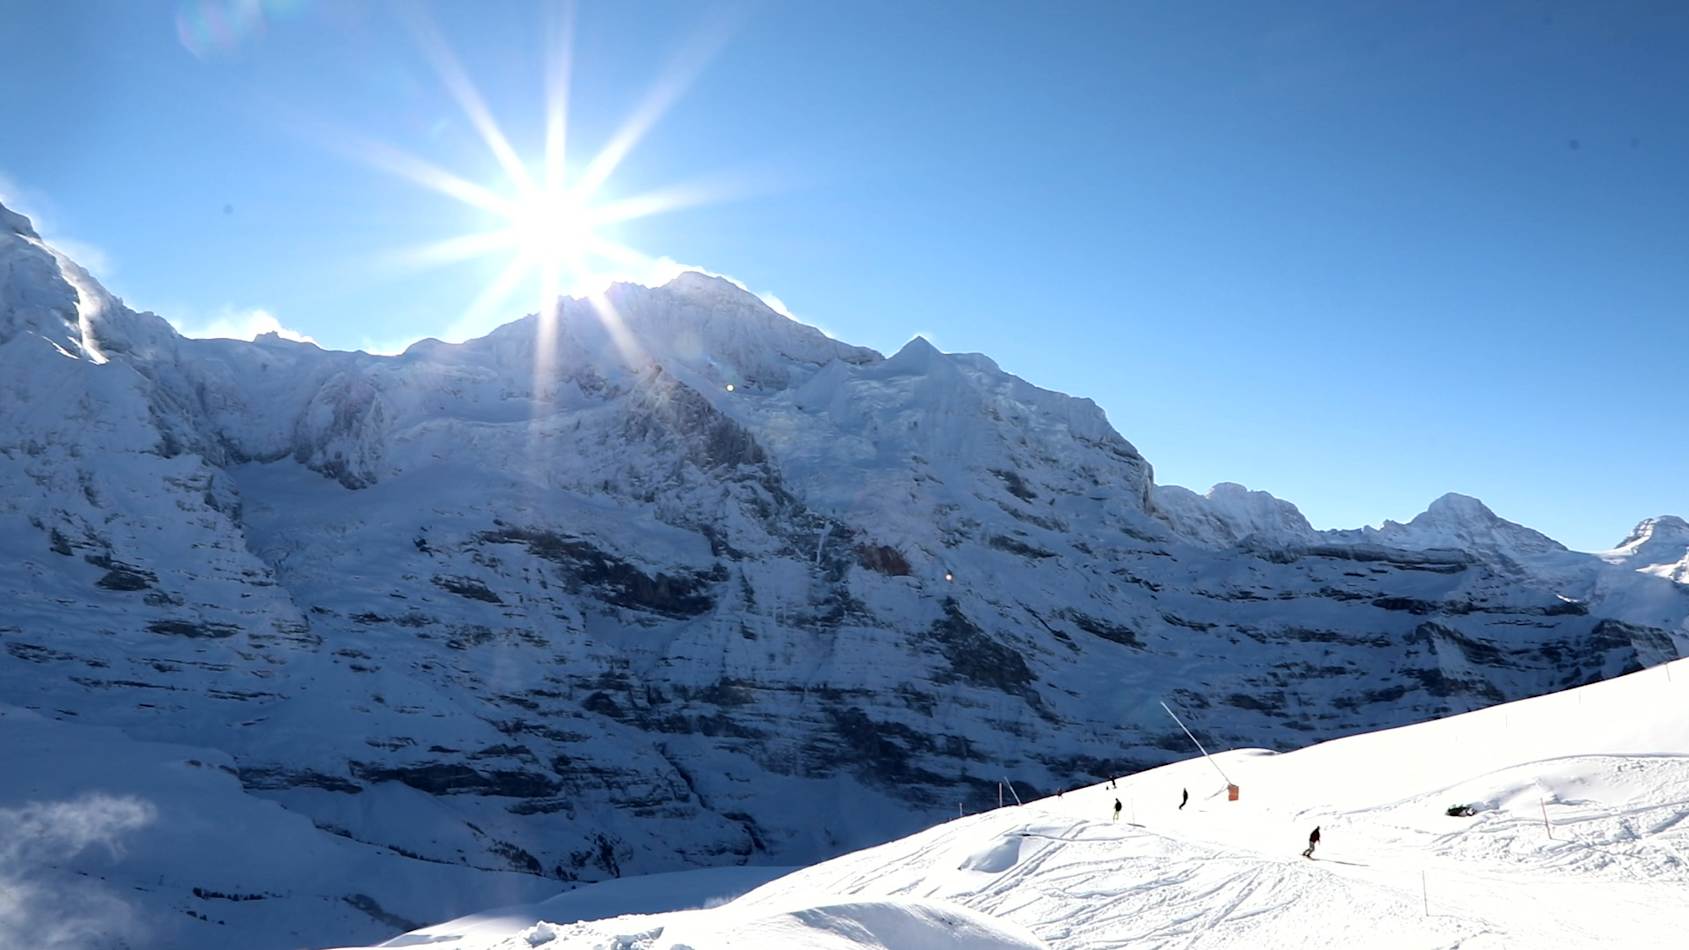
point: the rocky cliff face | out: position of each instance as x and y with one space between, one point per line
678 581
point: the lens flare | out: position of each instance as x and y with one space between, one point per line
549 225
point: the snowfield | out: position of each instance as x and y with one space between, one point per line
1580 838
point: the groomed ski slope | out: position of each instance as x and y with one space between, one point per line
1603 768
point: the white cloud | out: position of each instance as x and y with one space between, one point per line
392 347
89 257
776 304
240 325
46 907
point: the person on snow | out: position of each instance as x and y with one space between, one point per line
1313 842
1186 800
1117 809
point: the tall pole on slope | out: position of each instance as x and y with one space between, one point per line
1199 747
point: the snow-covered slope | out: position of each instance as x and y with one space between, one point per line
1576 838
676 582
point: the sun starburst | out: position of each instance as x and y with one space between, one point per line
550 228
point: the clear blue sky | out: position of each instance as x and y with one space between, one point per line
1356 254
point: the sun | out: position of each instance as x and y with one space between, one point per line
553 229
551 226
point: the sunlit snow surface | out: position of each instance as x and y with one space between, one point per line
1579 839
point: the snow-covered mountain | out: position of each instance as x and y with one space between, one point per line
667 582
1658 546
1231 514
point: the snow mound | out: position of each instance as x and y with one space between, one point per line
995 858
641 894
863 925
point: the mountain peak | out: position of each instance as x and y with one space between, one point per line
1230 513
1661 526
1454 506
1461 522
1663 540
37 295
17 223
918 346
698 285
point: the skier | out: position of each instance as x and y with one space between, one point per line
1313 841
1117 809
1186 800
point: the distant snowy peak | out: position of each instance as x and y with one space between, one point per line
1655 546
1653 540
1471 524
1456 522
1230 514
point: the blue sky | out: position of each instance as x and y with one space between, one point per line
1355 254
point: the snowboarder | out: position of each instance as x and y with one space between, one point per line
1117 809
1186 800
1313 841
